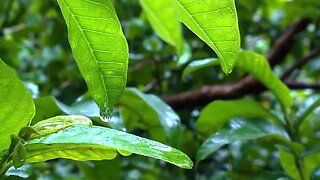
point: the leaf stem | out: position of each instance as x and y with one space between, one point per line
290 127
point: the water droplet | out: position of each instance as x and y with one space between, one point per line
106 113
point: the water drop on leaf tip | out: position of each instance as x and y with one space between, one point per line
106 113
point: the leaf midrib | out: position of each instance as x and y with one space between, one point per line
91 50
197 24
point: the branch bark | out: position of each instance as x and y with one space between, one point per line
305 59
247 85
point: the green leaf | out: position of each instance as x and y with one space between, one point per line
19 155
308 106
164 20
217 113
186 54
84 143
216 23
58 123
43 111
237 130
17 108
26 132
85 107
155 116
311 162
258 66
199 64
99 47
288 163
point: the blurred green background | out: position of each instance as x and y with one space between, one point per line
33 40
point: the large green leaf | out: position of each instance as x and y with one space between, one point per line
237 130
258 66
217 113
164 20
152 113
17 108
216 23
99 47
84 143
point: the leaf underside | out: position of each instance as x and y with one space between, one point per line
216 23
97 143
99 47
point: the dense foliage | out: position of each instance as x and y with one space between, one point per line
88 86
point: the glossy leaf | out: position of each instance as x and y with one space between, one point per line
164 20
99 47
17 108
55 124
98 143
237 130
217 113
199 64
258 66
156 116
216 23
288 163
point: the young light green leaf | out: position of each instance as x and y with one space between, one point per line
164 20
99 47
84 143
156 116
258 66
217 113
199 64
17 108
237 130
58 123
288 163
216 23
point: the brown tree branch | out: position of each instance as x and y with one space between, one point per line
284 44
247 85
305 59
